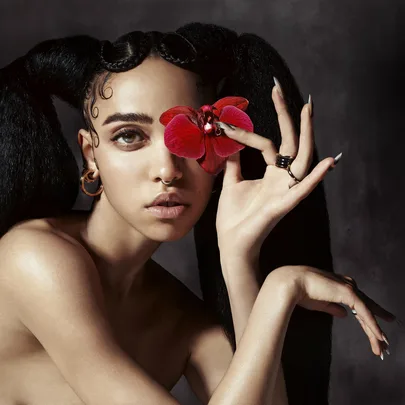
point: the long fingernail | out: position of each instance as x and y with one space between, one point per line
387 351
385 338
310 108
225 126
336 161
278 85
382 356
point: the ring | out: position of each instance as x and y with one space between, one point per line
283 161
292 175
352 282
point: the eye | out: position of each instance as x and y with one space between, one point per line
124 137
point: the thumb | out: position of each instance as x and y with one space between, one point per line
232 171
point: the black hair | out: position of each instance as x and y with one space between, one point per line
39 174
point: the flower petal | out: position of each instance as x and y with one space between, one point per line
183 138
234 116
239 102
168 115
225 146
211 162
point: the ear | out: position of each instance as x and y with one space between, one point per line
85 142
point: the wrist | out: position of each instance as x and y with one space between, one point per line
232 254
284 280
241 266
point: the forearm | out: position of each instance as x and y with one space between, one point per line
243 281
252 375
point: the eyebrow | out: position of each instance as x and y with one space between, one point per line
130 117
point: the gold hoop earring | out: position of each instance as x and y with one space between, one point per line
87 176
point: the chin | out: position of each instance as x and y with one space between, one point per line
167 232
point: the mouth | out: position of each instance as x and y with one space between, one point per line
167 210
167 204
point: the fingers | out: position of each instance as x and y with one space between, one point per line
375 308
253 140
376 345
303 161
301 148
306 186
232 171
289 144
351 299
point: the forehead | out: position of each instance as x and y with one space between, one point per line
152 87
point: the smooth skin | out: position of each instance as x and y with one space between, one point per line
87 317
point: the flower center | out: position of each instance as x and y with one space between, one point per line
206 121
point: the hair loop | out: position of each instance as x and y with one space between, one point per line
125 53
177 49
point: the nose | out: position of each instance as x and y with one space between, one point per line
166 166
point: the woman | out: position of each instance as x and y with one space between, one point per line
86 315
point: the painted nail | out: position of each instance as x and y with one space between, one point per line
278 85
336 161
225 126
387 351
382 356
310 106
385 338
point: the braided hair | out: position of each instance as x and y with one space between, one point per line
39 174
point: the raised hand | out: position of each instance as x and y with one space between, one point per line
318 290
249 209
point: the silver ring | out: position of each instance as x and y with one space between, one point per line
168 183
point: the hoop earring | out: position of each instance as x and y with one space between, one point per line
87 176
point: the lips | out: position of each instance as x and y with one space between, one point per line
168 200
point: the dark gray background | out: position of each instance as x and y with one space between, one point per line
350 56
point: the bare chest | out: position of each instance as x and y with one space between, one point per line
155 338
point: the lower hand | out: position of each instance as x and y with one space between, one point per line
318 290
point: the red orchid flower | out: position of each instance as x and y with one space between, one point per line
193 134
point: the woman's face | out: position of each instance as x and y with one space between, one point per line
131 155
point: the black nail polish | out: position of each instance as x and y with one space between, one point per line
224 125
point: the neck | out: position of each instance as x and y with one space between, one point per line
120 252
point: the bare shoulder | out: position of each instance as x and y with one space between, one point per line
62 227
28 248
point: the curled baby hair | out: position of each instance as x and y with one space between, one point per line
211 59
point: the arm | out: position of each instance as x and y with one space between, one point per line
243 282
249 375
55 291
252 374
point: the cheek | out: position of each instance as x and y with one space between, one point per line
121 173
202 183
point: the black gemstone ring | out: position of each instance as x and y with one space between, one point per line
284 161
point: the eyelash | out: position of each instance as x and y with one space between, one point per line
126 133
